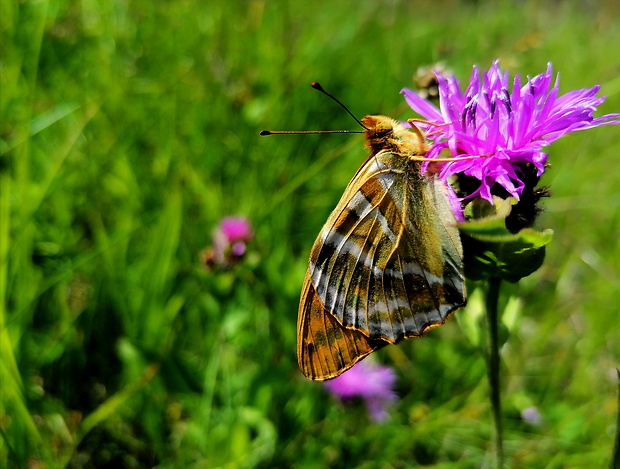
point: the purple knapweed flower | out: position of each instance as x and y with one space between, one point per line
506 128
229 241
371 382
233 233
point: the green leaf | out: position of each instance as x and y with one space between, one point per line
493 251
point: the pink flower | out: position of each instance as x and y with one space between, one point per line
229 241
369 381
508 127
236 229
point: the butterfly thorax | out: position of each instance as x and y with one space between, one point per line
385 134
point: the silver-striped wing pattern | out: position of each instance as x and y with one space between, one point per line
388 262
325 348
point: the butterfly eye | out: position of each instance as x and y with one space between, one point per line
383 129
377 127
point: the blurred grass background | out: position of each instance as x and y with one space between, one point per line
129 129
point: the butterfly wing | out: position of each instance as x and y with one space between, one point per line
324 347
388 262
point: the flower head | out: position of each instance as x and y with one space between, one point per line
232 235
369 381
236 229
229 241
507 128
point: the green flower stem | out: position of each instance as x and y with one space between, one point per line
493 365
616 461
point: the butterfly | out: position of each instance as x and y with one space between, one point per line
388 263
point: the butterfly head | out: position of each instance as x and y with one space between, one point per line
385 134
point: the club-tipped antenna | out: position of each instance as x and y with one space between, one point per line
317 86
302 132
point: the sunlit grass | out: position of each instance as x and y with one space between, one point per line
130 128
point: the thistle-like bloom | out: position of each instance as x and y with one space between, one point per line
233 233
369 381
506 128
229 241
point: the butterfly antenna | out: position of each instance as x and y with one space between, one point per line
302 132
317 86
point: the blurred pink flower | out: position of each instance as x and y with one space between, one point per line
371 382
236 229
229 241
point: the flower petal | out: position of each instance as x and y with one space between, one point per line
506 129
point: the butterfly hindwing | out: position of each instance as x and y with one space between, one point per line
324 347
388 260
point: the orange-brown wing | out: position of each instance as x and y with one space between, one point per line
325 348
388 262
